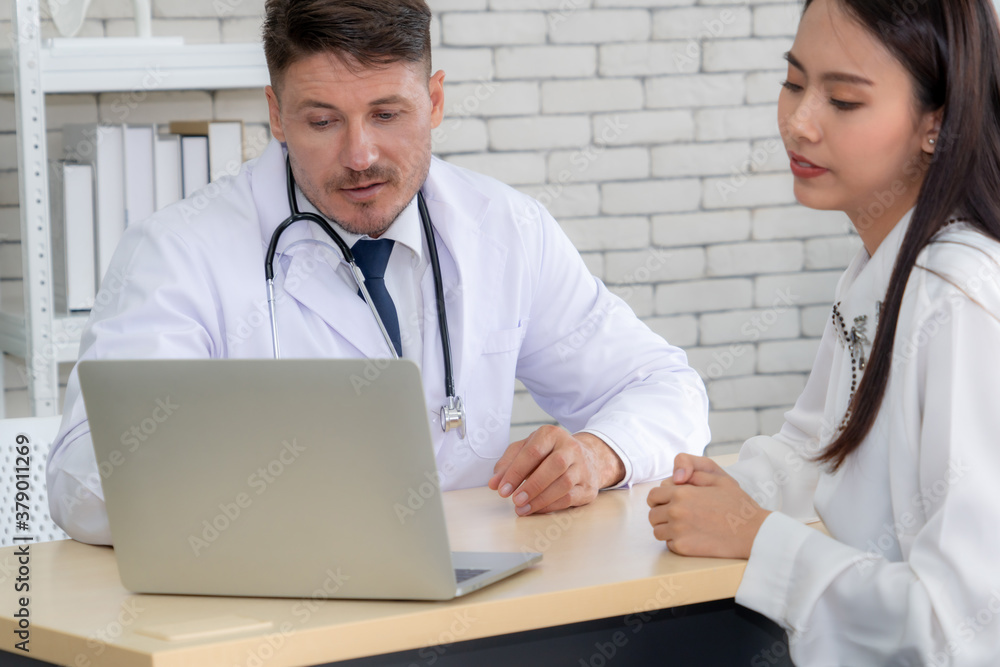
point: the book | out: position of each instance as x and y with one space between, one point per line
74 266
194 164
167 169
101 146
138 165
225 143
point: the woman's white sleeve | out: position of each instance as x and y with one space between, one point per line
777 471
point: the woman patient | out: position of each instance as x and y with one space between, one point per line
891 114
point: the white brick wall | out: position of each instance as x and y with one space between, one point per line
598 26
647 127
468 29
697 90
546 62
539 132
690 23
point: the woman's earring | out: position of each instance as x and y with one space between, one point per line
932 141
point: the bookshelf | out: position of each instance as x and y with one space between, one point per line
30 69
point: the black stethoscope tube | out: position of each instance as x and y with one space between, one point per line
425 219
452 414
298 216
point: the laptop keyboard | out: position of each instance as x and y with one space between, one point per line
464 575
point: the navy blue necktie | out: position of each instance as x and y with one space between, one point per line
372 256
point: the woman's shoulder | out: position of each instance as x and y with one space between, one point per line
961 260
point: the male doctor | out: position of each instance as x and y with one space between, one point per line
353 104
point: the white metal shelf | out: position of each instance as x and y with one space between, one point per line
117 64
64 344
31 69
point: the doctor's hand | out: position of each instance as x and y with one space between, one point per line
703 511
551 470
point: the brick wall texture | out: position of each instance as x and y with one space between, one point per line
647 127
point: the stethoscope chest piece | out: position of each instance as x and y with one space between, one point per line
453 416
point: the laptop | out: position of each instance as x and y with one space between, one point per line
276 478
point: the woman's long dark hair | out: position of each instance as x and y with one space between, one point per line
951 49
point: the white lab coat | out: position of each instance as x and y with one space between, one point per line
189 283
911 575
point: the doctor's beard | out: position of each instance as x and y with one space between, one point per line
366 218
370 222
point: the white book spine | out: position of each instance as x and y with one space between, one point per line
74 263
225 148
194 163
167 169
102 146
140 185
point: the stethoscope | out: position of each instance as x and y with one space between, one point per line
453 412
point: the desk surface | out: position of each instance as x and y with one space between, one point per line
599 561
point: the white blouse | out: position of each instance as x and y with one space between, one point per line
911 575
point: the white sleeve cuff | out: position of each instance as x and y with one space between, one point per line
768 576
627 479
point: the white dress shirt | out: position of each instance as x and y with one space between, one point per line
910 575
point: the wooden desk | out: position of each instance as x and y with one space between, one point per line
600 561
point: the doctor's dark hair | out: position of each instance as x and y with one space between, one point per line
363 33
951 49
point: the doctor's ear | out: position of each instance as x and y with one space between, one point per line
274 113
436 91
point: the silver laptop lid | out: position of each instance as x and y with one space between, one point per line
268 477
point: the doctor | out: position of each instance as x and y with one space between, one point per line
352 107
